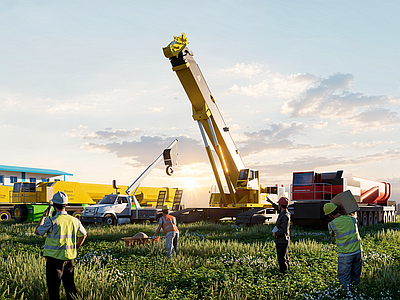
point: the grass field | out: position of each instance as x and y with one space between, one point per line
215 261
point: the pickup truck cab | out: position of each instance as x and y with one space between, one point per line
117 209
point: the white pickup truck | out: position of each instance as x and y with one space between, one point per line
117 209
120 209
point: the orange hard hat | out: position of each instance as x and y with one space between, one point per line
283 201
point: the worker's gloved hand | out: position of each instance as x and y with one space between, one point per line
153 237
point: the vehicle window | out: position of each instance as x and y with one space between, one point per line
17 187
108 199
303 179
122 200
25 187
244 174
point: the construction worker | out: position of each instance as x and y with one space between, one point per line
168 224
281 233
65 234
345 230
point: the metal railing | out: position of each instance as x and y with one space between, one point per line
25 197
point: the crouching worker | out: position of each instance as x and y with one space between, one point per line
345 230
281 233
168 224
65 234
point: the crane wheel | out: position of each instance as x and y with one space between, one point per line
5 215
109 220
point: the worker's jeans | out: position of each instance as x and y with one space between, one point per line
57 270
349 269
282 250
171 243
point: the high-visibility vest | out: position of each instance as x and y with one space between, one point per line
346 234
61 240
168 224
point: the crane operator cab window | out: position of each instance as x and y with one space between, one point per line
246 179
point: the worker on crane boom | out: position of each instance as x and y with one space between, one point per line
344 229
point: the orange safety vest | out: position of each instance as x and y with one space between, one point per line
168 224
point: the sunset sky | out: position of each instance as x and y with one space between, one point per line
303 85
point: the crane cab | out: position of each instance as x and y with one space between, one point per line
248 179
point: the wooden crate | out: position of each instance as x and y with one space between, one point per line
133 242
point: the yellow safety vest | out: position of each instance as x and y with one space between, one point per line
61 240
346 234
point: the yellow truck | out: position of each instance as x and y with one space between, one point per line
26 201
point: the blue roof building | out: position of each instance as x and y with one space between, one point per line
11 174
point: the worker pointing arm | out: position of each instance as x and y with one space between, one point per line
281 233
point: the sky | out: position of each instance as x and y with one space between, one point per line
302 85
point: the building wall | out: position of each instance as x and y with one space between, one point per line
6 177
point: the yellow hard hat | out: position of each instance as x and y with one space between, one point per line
329 208
165 207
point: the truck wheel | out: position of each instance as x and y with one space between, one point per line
385 218
77 214
20 213
364 219
109 219
371 218
5 215
376 217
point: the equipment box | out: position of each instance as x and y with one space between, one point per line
346 202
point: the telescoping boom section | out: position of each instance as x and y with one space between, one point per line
243 184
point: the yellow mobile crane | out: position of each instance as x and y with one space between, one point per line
245 191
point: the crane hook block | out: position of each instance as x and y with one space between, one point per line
176 46
169 170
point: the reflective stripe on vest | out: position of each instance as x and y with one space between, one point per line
168 224
346 234
61 241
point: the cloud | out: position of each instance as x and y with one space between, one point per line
109 134
147 149
269 84
275 136
323 163
330 98
245 70
9 103
156 109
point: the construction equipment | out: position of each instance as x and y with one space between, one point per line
311 190
120 209
26 201
243 184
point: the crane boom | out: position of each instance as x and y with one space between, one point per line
169 155
243 184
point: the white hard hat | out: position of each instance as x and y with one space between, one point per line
60 198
